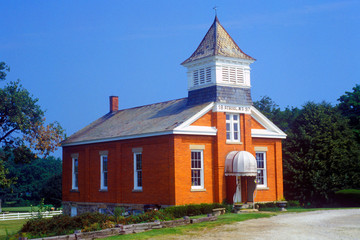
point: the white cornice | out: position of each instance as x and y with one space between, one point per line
218 58
271 131
263 133
197 130
195 117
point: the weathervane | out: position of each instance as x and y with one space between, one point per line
215 9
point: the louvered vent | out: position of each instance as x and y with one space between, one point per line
196 78
233 75
202 76
225 74
208 74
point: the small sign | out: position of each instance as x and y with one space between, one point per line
219 107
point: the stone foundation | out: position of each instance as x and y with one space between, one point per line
84 207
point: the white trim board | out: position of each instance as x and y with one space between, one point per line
270 131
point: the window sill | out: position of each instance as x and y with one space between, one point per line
262 188
74 190
137 190
103 190
233 143
198 190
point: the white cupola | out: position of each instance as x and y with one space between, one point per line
220 64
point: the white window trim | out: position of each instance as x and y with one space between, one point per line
231 122
136 187
73 187
201 170
265 170
102 187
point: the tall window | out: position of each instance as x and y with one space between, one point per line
75 169
233 127
138 171
261 169
104 172
197 169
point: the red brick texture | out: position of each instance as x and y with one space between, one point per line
167 167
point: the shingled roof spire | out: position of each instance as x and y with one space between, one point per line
217 42
218 70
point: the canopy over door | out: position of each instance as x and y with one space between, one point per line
240 163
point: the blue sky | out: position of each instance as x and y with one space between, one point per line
73 55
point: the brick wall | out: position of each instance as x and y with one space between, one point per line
157 171
167 167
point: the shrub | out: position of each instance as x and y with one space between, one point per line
148 217
194 209
348 197
62 224
293 203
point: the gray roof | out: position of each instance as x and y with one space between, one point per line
149 119
217 42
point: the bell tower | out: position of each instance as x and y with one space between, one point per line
218 71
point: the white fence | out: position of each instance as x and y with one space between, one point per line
16 216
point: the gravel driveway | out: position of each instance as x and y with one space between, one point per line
325 224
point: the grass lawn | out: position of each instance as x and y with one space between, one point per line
192 229
18 209
11 226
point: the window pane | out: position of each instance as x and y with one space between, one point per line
104 164
139 178
227 116
76 180
228 136
260 177
105 179
195 178
138 162
236 136
235 117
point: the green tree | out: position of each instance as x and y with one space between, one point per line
51 190
282 119
320 155
23 131
3 69
350 107
31 178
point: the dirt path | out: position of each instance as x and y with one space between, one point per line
329 224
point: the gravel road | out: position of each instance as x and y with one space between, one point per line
326 224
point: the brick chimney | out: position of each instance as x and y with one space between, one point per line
114 103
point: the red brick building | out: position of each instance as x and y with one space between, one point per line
199 149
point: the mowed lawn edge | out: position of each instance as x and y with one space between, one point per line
193 229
